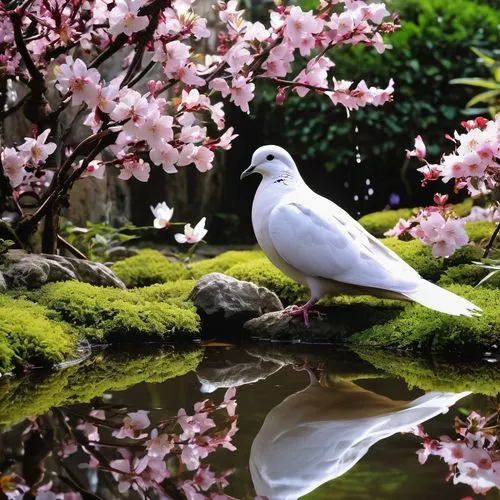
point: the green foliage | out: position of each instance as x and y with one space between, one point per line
435 374
173 292
420 329
491 96
431 48
5 245
34 395
96 239
113 315
29 333
147 268
377 223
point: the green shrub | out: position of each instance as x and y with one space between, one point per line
33 395
110 314
147 268
30 334
435 374
377 223
421 329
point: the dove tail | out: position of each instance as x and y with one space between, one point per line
439 299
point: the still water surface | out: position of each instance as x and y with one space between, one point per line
314 423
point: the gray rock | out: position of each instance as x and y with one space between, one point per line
323 328
3 285
223 298
23 269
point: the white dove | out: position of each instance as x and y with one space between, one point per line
318 244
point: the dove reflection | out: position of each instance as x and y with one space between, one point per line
319 433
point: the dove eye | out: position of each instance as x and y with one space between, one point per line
269 157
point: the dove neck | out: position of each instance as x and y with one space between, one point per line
281 181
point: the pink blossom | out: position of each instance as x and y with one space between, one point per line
401 227
187 75
191 455
242 92
160 444
217 113
237 56
194 99
227 138
13 166
127 470
191 425
194 133
278 63
131 106
123 17
201 156
136 168
220 85
300 25
419 150
165 155
76 78
162 216
35 150
95 169
156 128
173 55
255 31
133 423
106 98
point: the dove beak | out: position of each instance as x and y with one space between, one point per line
247 172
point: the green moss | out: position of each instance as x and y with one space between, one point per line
435 374
147 268
116 315
223 262
464 208
34 395
377 223
421 329
30 334
468 274
263 273
480 231
173 292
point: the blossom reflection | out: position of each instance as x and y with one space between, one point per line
319 433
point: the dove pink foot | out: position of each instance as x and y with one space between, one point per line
303 311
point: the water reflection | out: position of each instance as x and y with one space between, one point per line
319 433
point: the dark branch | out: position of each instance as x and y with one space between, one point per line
492 241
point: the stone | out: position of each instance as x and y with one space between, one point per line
3 285
26 270
221 298
323 328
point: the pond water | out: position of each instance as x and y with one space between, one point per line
283 422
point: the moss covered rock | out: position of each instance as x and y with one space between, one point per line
223 262
147 268
377 223
34 395
420 329
106 314
30 333
263 273
431 374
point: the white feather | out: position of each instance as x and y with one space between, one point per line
316 243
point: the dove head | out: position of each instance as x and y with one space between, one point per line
272 162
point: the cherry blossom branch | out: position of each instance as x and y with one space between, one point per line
491 242
68 246
290 83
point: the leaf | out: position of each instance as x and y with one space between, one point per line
476 82
489 61
483 96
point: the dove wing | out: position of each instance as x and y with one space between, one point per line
328 243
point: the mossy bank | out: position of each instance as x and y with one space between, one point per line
44 327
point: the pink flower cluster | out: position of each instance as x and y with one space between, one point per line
473 458
435 226
473 165
475 162
200 436
174 131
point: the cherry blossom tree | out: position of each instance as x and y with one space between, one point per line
179 121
